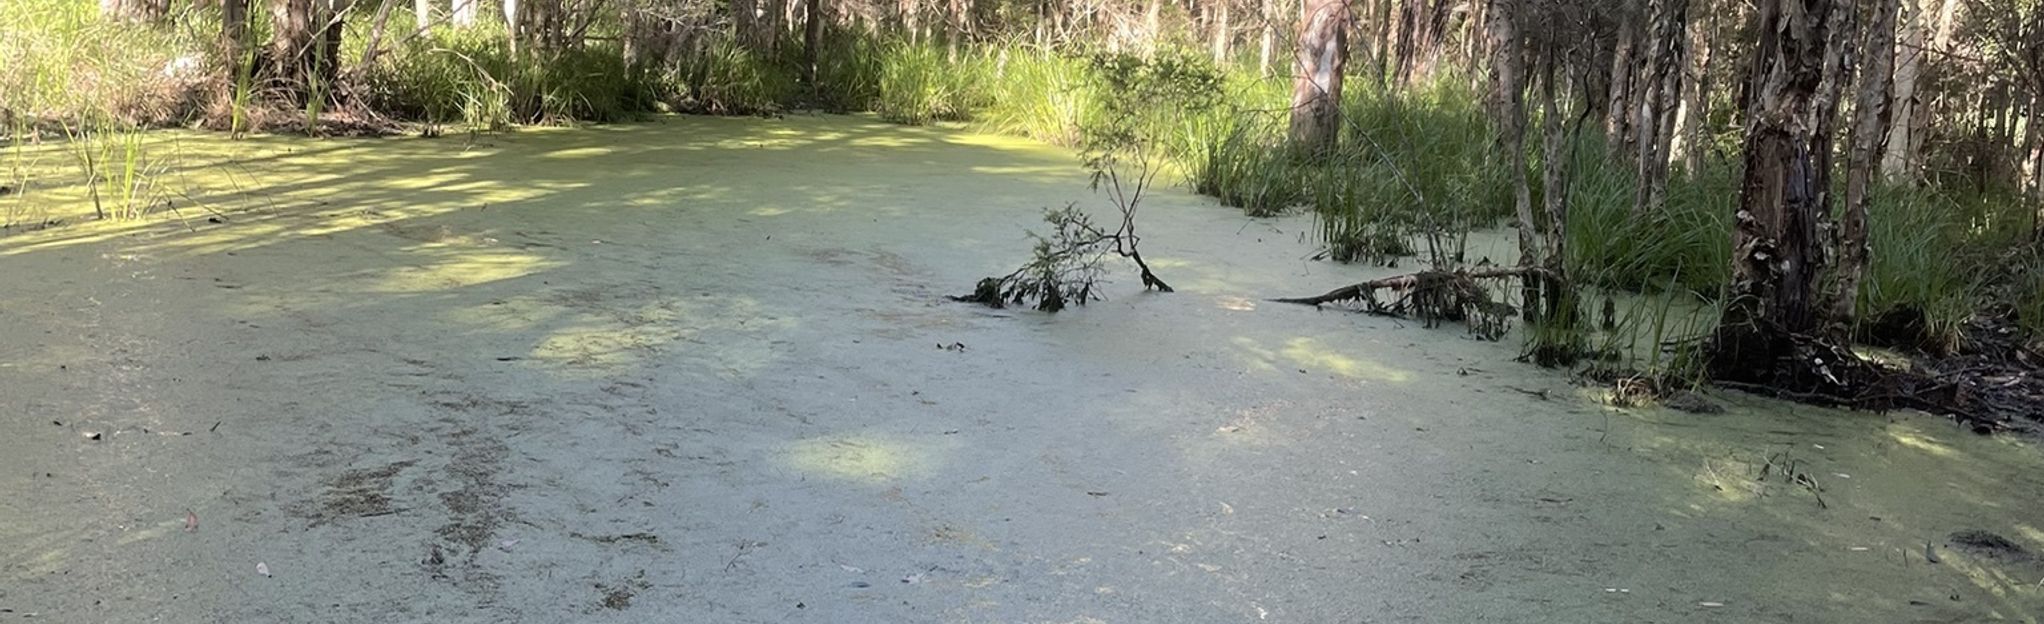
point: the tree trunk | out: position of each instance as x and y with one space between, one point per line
773 15
1316 91
422 14
1925 32
292 57
1867 139
234 35
1692 119
1776 248
812 38
1268 45
2033 151
463 14
1560 304
376 30
1222 35
1150 28
1507 95
512 24
329 25
1659 88
1915 24
1619 106
1420 25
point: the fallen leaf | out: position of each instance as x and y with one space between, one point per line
262 568
191 521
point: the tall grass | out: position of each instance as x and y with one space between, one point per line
1686 245
1241 160
472 76
920 84
59 59
1914 268
1040 94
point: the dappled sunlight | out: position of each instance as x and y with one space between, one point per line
1310 353
594 337
462 270
600 348
1910 437
1996 580
579 153
38 553
1728 481
1051 170
208 193
1234 303
1000 141
885 141
2033 534
867 458
1313 355
1196 277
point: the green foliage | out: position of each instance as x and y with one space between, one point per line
1685 246
1146 100
1040 94
919 85
1062 270
1430 157
727 79
473 77
1241 160
1914 266
60 61
848 70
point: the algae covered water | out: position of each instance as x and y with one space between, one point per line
703 370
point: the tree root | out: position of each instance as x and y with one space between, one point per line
1983 392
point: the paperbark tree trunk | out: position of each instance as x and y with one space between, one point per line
1868 139
1692 120
1658 90
1507 60
1222 35
1618 108
1316 91
1777 251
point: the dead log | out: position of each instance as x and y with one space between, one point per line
1433 296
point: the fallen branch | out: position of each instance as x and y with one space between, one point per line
1433 296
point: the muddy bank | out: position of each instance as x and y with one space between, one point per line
702 370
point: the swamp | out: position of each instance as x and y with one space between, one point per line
994 311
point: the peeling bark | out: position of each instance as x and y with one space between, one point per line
1316 91
1776 247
